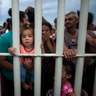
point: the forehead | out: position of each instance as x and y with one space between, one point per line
69 16
27 31
45 27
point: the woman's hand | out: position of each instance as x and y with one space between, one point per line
11 50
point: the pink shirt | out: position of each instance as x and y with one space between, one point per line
22 50
66 88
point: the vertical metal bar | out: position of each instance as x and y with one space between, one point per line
0 83
38 20
81 45
59 47
0 11
94 88
0 70
16 33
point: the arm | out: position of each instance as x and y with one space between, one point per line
69 53
51 47
46 39
5 64
4 44
91 34
91 41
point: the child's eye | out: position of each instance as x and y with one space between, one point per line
30 35
23 36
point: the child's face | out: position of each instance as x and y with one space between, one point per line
27 38
65 76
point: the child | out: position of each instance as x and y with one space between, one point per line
66 87
27 62
67 73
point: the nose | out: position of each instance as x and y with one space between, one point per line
66 20
27 37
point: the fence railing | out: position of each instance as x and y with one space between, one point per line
59 47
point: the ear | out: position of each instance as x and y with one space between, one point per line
69 76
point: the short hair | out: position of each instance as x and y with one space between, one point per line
74 14
29 9
55 20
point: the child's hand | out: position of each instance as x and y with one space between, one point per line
11 50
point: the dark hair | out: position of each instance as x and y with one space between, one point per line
9 23
69 67
26 27
21 14
4 24
10 12
31 17
47 24
55 20
90 17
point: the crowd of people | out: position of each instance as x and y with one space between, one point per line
48 45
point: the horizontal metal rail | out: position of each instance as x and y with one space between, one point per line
49 55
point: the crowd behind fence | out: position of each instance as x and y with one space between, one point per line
59 47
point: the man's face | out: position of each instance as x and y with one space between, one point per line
70 21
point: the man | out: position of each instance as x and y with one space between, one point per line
71 35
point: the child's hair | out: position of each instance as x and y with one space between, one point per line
69 67
26 27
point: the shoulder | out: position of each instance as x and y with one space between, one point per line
5 42
7 36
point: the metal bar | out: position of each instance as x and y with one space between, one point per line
0 83
81 46
38 31
48 55
0 70
59 47
94 88
16 33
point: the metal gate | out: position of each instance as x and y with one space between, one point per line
59 47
